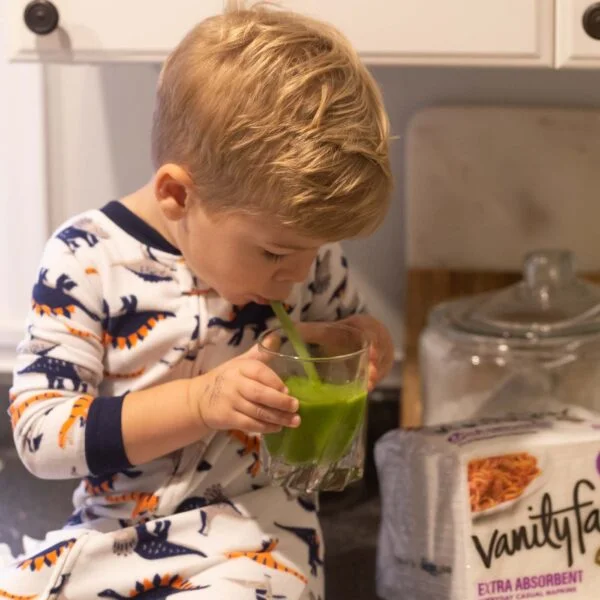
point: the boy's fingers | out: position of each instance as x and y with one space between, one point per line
257 393
260 373
272 342
265 414
250 425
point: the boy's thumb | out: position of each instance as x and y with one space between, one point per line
263 351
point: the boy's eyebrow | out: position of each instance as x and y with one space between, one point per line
291 246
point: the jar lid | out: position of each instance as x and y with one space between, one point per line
550 301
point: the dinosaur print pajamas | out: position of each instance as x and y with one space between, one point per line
115 309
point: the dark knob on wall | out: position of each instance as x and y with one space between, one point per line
591 20
41 16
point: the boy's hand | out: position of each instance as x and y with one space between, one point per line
245 394
381 357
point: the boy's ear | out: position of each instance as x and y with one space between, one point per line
172 186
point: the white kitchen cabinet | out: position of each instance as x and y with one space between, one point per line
103 30
463 32
485 32
578 34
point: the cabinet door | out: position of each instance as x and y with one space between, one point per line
102 30
488 32
508 32
578 34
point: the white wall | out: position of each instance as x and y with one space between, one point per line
23 219
99 119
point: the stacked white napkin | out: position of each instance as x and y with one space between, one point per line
431 545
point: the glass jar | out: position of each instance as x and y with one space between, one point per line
532 346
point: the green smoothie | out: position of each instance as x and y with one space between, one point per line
331 416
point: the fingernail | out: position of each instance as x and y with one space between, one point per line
286 390
296 421
295 405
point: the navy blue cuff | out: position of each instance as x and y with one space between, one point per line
104 447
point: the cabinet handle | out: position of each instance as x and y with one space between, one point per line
41 17
591 20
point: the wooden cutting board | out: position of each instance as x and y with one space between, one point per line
484 186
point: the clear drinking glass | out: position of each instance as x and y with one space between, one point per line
327 451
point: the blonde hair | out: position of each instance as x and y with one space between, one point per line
271 112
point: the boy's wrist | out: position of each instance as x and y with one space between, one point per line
194 387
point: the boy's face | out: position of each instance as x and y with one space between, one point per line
244 258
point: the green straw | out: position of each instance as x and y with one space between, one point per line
297 343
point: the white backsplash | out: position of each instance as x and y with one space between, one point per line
486 184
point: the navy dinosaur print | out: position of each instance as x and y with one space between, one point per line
193 347
85 231
58 371
213 503
340 290
311 538
252 316
75 519
150 545
307 503
103 484
47 557
131 327
56 300
83 515
59 588
203 466
322 279
160 588
33 445
304 500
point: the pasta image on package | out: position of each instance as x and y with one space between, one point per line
497 509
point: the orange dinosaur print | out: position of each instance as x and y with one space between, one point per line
147 588
264 557
84 335
131 340
16 412
251 445
101 488
104 484
5 594
59 311
144 502
91 271
48 557
80 410
132 375
131 326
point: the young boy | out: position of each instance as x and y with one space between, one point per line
139 372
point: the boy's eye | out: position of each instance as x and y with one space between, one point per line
273 257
